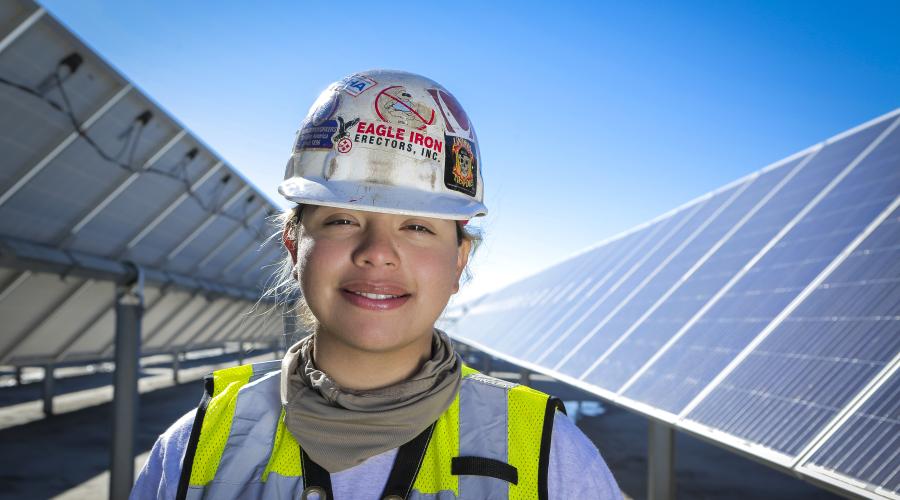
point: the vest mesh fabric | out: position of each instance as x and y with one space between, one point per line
524 432
285 458
434 474
217 422
525 409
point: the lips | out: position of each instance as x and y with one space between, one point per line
377 296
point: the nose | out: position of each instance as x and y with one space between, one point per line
377 248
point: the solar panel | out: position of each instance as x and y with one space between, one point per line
592 328
866 447
759 316
730 262
836 339
481 319
692 361
693 254
95 174
606 278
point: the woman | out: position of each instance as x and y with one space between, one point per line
375 404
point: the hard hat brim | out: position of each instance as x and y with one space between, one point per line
380 198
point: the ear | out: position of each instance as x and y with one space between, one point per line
290 242
462 258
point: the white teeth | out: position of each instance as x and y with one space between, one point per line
376 296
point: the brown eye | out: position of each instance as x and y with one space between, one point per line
419 228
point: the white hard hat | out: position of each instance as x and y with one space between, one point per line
387 141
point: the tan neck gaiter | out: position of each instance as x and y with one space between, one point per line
339 428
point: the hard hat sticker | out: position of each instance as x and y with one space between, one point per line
325 110
313 136
356 84
396 105
374 135
455 118
344 145
461 166
317 131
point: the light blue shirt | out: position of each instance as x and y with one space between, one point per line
576 469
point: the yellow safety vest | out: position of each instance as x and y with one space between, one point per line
492 442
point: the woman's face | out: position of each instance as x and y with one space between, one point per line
377 282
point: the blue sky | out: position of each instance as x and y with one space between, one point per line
592 117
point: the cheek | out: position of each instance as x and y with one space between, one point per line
314 262
439 269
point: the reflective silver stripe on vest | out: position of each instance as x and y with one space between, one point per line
482 432
276 487
441 495
264 367
195 493
250 441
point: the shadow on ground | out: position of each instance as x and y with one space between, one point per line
45 458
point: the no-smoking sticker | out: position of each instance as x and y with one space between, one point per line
397 105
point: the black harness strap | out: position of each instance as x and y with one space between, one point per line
553 404
314 475
188 463
400 481
480 466
406 465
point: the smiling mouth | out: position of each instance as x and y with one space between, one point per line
375 301
377 296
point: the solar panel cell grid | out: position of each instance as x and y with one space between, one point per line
520 309
523 332
867 446
654 291
481 319
597 333
693 296
755 197
726 328
599 262
646 271
566 333
808 368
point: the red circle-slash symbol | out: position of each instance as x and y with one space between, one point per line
344 145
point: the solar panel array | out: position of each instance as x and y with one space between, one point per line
94 176
764 316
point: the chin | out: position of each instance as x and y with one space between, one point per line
376 338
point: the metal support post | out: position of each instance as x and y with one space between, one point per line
240 353
48 390
18 375
176 364
524 376
488 361
129 311
660 462
281 348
